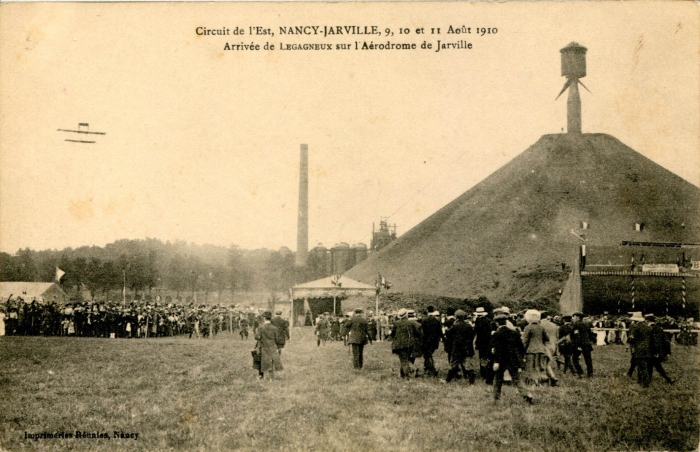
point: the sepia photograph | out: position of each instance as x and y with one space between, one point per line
349 226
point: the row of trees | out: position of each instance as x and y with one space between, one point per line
142 265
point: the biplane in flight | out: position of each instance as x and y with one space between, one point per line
84 128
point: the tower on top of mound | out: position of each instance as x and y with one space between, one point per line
573 67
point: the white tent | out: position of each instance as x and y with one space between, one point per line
324 295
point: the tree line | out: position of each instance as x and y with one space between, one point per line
143 265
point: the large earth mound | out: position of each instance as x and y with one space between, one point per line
507 237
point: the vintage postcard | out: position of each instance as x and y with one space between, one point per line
170 172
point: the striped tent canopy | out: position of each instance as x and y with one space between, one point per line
330 287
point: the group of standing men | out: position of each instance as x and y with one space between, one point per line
650 346
505 344
499 345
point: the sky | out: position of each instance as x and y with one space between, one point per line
202 144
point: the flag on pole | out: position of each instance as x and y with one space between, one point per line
385 284
59 274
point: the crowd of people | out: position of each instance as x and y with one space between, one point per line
525 348
115 319
496 346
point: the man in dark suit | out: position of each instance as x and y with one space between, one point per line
358 335
282 330
406 335
483 327
267 337
565 347
508 354
449 320
581 343
372 326
461 337
432 334
639 339
659 349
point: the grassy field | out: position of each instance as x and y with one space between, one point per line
191 395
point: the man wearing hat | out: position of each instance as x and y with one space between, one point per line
243 323
432 334
483 327
581 341
508 354
282 329
372 325
406 336
639 340
552 330
449 320
659 349
566 348
358 335
267 337
461 337
321 330
505 310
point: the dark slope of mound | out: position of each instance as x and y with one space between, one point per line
507 237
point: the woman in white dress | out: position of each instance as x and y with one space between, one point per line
600 334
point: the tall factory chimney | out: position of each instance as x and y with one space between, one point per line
573 67
303 221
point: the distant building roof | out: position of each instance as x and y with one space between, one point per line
28 290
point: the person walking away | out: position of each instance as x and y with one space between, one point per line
636 317
372 326
358 335
321 331
581 340
405 334
267 337
639 339
535 339
566 348
343 329
461 337
417 350
244 329
483 328
552 330
383 326
335 328
659 349
282 329
508 351
432 334
446 324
